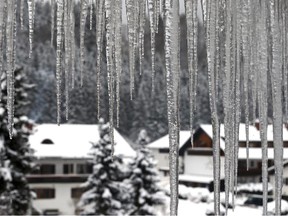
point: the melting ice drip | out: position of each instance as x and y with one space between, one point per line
246 44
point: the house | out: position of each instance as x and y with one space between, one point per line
62 153
197 160
255 150
160 150
195 164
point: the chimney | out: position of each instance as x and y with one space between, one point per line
286 125
257 124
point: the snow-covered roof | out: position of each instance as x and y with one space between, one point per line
72 141
163 142
207 128
254 133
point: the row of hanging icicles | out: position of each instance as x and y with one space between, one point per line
246 44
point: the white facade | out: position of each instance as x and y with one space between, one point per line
63 155
162 159
200 165
63 200
160 151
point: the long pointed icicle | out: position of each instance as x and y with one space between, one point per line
83 17
172 80
262 98
118 53
226 99
52 20
277 103
72 43
59 53
10 28
245 31
211 53
91 14
109 59
31 14
192 24
142 20
2 35
130 8
22 14
67 46
100 20
151 10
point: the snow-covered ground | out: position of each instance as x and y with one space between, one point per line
187 207
200 202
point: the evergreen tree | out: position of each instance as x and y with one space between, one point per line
144 179
106 188
17 158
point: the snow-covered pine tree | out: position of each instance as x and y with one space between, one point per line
144 179
17 158
106 188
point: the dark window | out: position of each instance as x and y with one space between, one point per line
68 168
47 141
242 144
44 193
76 193
84 168
47 169
51 212
270 144
164 150
44 169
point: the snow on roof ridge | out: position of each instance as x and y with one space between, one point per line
254 133
163 142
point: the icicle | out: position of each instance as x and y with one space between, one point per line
277 104
91 14
31 11
285 59
211 52
100 22
204 12
172 80
151 10
21 13
142 20
245 32
226 100
130 10
118 54
2 33
156 14
109 69
72 43
84 8
10 28
67 44
52 21
192 30
262 98
60 13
